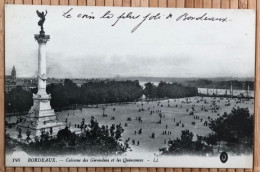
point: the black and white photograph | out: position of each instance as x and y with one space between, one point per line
129 87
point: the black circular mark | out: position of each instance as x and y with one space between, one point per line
223 157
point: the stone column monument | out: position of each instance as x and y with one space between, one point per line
41 117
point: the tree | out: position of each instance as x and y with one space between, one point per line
211 139
66 137
9 143
235 128
112 128
150 90
186 145
119 131
28 133
186 138
20 133
18 100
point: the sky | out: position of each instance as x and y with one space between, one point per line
92 48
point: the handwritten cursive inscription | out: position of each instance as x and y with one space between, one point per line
141 19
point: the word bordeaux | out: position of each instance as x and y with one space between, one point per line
42 160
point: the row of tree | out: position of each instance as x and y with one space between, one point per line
168 90
95 92
68 94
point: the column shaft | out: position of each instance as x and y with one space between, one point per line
42 69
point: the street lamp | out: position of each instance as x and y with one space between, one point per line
103 108
142 104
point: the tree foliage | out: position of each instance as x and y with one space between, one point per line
64 95
233 128
95 92
185 144
18 100
94 140
234 131
169 90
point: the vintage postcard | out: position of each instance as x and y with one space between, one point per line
129 87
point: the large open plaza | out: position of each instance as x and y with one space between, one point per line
141 119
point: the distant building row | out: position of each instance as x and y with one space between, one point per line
11 81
